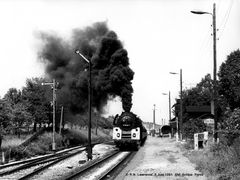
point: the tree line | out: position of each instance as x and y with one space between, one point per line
32 107
227 97
26 107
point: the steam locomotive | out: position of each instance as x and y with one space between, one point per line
128 131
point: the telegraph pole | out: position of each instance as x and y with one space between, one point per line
61 121
181 108
169 98
154 119
214 71
53 85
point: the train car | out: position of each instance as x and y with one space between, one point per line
128 131
165 131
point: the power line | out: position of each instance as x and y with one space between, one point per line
226 17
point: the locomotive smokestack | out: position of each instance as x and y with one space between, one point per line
111 74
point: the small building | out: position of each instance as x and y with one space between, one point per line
193 112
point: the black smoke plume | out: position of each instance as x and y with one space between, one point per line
111 74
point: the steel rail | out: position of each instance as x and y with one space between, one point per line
40 158
126 159
50 159
90 165
42 168
49 155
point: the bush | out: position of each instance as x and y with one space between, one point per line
193 126
218 160
38 147
43 143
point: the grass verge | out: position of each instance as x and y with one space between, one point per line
43 143
217 161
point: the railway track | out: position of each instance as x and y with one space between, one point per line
102 168
29 168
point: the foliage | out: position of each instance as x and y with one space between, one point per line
193 126
10 141
199 95
39 147
218 161
229 81
4 118
19 117
43 144
231 125
34 96
14 114
13 96
232 120
21 108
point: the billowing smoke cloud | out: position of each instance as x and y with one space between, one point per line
111 74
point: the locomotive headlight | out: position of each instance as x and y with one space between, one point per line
135 133
117 133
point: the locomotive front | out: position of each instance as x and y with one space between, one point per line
127 130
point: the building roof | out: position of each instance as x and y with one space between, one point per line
198 109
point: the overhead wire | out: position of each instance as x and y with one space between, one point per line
206 45
226 18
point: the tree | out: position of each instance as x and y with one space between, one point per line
19 117
10 100
5 122
231 125
34 97
229 79
199 95
13 96
3 119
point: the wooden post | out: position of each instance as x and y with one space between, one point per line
61 120
196 141
3 157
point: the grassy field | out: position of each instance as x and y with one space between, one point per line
43 143
10 141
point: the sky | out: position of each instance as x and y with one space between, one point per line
161 36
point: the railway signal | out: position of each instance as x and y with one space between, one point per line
53 85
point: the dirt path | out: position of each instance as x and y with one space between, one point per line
160 158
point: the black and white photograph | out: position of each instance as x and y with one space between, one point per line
119 89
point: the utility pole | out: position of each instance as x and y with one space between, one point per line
214 104
53 85
214 71
181 108
169 104
154 119
61 121
169 98
96 125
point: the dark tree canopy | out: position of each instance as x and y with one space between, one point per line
229 79
199 95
